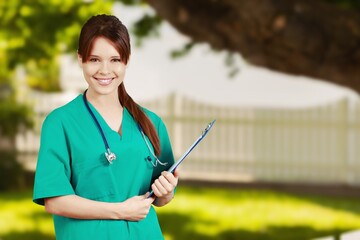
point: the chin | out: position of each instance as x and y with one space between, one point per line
105 90
108 91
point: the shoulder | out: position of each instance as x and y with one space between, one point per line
58 115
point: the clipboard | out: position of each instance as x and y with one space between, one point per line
192 147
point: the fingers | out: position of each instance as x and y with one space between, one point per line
156 190
171 178
138 207
159 190
176 172
165 184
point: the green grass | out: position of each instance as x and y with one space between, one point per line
209 213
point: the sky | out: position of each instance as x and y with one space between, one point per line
203 76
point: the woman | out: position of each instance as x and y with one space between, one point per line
101 153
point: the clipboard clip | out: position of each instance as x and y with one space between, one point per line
209 126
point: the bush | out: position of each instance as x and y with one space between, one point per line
13 175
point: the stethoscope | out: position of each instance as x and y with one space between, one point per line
110 156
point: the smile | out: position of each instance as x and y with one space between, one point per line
104 81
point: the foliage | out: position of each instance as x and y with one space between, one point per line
13 175
211 213
183 51
34 33
13 116
348 4
147 26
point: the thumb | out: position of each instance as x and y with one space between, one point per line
149 199
146 195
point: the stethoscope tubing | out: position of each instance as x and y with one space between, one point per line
96 121
110 156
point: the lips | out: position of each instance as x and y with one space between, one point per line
104 81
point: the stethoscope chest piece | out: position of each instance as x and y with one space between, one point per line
110 156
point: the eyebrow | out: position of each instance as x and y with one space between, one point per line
92 55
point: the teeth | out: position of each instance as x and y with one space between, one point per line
107 80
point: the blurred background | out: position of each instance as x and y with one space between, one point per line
280 77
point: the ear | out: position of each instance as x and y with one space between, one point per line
80 62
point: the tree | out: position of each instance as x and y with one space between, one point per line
316 38
33 34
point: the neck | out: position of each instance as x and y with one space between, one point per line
99 100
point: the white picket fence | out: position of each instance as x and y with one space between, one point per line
313 145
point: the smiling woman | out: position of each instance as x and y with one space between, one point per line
90 195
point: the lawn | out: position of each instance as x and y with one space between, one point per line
210 213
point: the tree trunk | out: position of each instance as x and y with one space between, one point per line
302 37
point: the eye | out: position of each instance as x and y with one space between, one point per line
93 59
116 60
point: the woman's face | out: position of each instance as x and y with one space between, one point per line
103 70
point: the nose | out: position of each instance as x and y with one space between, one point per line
104 69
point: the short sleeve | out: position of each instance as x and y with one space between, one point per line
53 171
166 150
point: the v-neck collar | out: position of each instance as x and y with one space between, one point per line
126 125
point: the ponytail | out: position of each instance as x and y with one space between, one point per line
140 117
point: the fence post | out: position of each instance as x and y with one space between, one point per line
344 134
172 112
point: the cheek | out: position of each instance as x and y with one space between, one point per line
89 70
120 70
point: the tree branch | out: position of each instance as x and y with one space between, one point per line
303 37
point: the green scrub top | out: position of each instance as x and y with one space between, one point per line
71 160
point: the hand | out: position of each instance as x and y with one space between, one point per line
136 208
164 186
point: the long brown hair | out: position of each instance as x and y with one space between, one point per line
111 28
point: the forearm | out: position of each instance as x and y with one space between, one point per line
73 206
